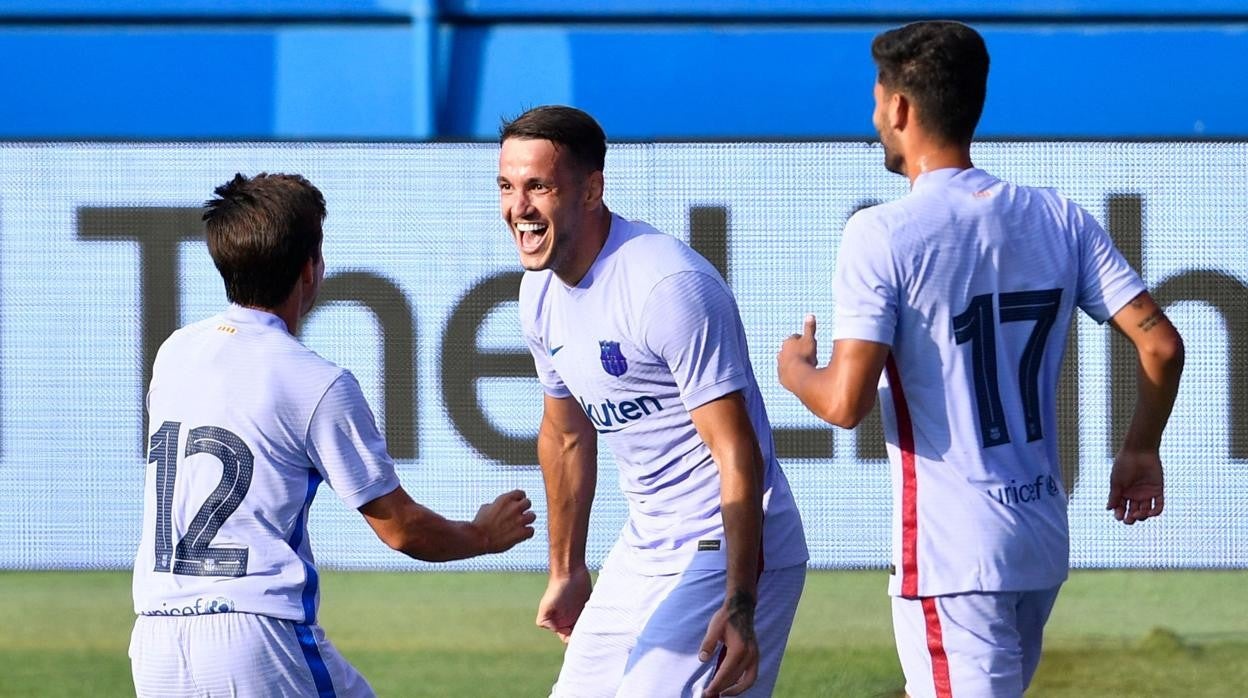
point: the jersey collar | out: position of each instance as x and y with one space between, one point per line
254 316
936 178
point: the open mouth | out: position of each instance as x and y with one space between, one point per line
530 236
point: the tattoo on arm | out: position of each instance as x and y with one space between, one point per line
1151 321
741 614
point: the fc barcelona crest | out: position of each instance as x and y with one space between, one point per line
613 362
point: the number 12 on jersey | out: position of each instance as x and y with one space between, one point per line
977 325
193 555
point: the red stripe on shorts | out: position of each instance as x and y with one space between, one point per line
909 485
936 646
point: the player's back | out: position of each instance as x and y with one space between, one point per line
229 476
986 275
989 276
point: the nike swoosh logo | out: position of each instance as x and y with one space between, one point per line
556 350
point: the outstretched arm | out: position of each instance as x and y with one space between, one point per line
1136 485
567 448
724 424
422 533
841 393
349 451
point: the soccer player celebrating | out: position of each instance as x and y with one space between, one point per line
245 423
962 293
637 337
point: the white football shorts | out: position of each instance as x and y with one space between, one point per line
639 635
975 645
238 654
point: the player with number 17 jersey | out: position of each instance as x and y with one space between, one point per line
245 423
973 282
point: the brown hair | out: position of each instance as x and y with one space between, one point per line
568 128
942 67
261 231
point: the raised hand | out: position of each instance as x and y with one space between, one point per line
797 353
506 521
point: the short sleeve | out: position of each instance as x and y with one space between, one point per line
690 320
552 384
864 286
346 447
1106 281
532 292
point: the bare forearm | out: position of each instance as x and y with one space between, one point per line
419 532
828 396
741 503
725 427
1158 376
429 536
806 383
1159 349
569 470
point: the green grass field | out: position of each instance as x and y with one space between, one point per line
1140 633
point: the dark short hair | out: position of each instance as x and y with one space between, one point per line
942 67
261 231
567 127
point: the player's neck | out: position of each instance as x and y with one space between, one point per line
937 157
593 237
291 318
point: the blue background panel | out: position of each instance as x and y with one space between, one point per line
615 9
141 83
804 81
832 9
61 9
424 70
1117 81
248 82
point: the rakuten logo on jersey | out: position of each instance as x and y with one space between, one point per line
609 416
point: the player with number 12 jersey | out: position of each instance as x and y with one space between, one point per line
245 423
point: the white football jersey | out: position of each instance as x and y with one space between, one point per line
973 282
649 334
245 423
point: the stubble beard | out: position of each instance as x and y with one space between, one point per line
894 161
562 255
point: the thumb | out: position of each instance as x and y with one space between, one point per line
711 640
547 621
808 326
